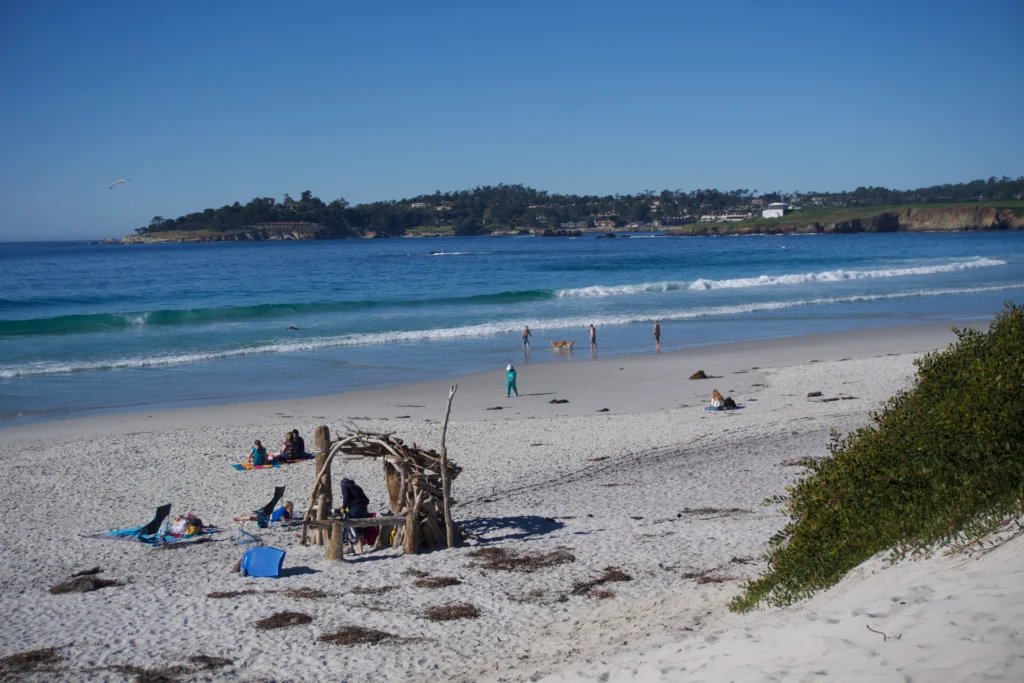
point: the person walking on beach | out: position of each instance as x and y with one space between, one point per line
526 338
593 340
510 381
657 337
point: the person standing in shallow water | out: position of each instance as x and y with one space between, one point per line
526 338
510 381
657 337
593 340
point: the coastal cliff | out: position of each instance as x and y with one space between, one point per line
245 235
924 219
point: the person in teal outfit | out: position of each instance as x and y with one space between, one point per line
510 381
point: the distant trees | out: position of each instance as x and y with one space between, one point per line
493 207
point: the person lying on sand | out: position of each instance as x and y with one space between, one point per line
185 525
281 514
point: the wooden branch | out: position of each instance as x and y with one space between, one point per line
357 523
446 482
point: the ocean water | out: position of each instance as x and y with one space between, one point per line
87 329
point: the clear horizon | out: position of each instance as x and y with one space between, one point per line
202 106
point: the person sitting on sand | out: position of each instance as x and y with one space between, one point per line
287 450
258 456
281 514
717 401
300 444
354 504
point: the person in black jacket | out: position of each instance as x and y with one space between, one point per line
300 444
354 505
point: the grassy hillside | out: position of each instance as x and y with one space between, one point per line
942 462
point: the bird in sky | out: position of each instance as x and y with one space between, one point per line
117 182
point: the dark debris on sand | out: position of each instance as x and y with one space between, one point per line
217 595
45 659
84 584
610 574
372 590
305 593
457 610
512 561
436 582
283 620
357 635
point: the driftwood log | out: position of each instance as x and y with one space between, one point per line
325 498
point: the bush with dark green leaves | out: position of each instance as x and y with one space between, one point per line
941 463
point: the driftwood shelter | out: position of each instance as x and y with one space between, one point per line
419 488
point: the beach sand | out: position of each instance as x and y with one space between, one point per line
666 493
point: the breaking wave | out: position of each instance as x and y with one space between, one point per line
481 330
770 280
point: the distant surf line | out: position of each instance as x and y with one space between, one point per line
837 275
468 331
108 322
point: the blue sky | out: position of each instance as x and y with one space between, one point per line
203 104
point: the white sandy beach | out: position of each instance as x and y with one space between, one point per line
652 486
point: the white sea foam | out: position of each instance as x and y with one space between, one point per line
481 330
771 280
456 253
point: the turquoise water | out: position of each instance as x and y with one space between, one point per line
89 328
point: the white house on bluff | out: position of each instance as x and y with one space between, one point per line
775 210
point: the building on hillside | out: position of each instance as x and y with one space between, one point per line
605 223
577 224
418 205
775 210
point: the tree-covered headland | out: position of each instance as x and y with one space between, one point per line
509 207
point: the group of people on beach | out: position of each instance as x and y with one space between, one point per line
527 333
293 448
510 371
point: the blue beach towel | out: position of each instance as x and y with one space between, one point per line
713 409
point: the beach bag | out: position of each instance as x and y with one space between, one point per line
371 533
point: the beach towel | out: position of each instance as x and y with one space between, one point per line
245 466
154 533
715 409
136 534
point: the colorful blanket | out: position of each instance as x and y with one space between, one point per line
245 467
132 534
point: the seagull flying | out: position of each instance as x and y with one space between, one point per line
117 182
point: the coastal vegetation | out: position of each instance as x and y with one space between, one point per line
513 207
942 463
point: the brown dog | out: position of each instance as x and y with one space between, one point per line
562 345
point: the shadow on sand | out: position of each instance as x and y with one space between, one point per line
514 528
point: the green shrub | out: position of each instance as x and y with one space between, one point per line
941 463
